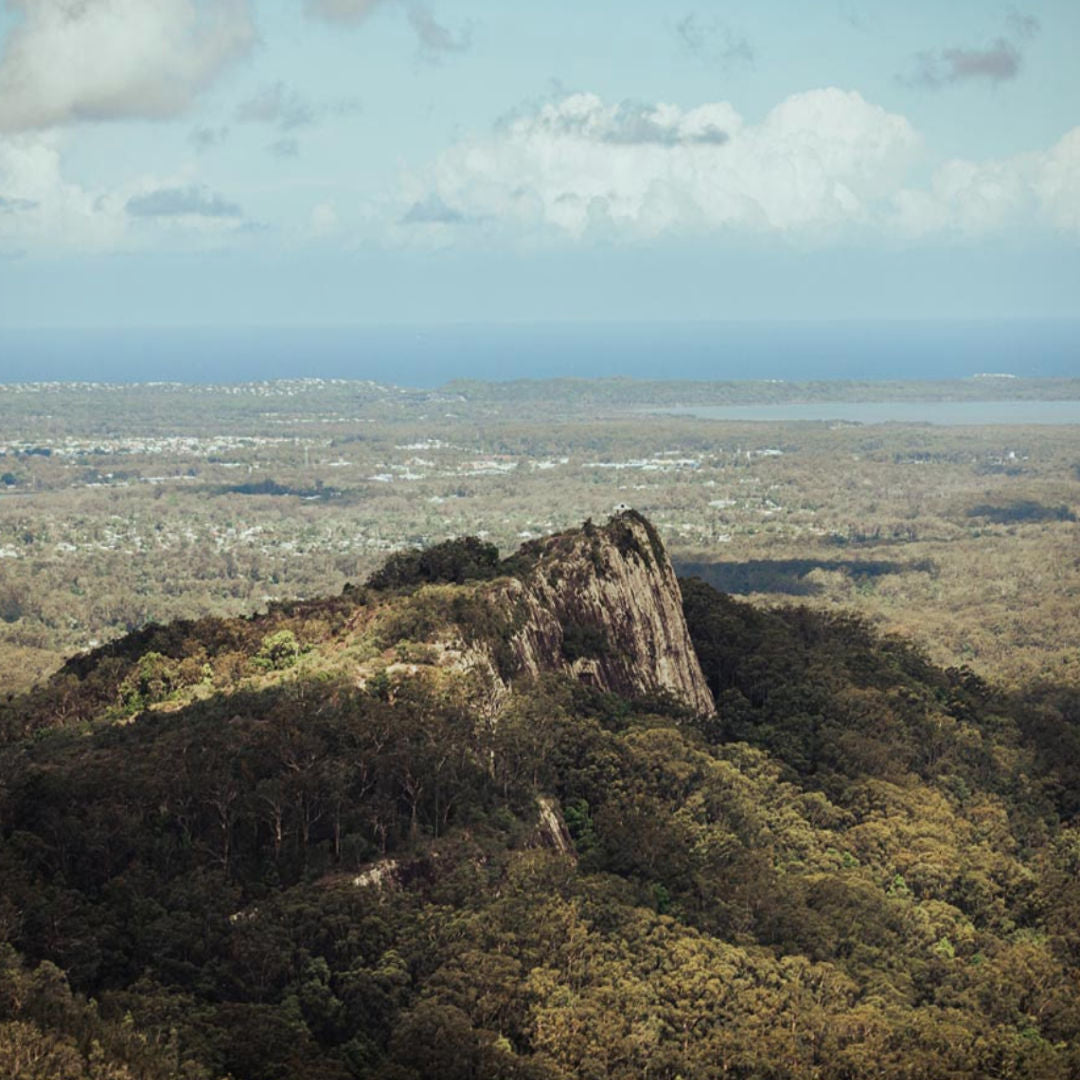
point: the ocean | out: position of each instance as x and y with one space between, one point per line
432 355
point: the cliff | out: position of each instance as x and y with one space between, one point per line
602 603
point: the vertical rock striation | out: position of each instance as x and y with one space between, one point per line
603 603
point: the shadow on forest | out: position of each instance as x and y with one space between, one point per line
788 576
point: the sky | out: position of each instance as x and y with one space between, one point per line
229 163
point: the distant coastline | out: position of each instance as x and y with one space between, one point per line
952 401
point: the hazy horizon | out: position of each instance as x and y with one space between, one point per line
433 354
435 162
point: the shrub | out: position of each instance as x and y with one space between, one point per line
580 641
452 562
278 651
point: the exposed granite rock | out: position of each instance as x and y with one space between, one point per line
603 603
551 830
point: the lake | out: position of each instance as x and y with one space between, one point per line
895 412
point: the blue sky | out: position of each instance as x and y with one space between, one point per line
222 162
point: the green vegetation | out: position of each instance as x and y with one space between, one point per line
1024 510
588 642
451 562
278 650
235 848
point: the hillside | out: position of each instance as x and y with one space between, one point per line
542 817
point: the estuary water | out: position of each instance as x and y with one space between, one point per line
895 412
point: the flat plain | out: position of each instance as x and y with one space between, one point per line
127 504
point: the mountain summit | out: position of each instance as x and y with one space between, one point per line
603 604
600 604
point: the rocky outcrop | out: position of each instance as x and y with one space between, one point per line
551 831
603 603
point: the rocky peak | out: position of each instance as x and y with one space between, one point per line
603 603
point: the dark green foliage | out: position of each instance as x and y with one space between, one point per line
12 602
272 487
278 650
196 871
789 576
1049 720
521 563
453 562
625 539
657 545
491 620
830 699
153 678
1021 511
49 1033
583 641
579 824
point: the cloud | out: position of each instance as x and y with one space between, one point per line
341 11
285 109
820 160
642 125
17 206
436 40
324 220
1023 193
190 201
205 138
285 148
432 211
997 63
279 105
67 61
1023 26
712 42
1056 182
822 167
966 198
585 116
42 209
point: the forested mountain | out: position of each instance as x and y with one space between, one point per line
480 818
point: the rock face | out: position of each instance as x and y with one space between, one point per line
603 603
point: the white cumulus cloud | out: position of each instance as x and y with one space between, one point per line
1035 190
71 60
819 159
1057 182
44 208
823 165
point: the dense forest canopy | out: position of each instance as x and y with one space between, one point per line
309 844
